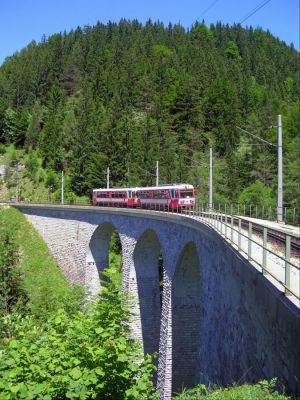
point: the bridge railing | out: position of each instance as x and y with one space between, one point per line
291 215
275 255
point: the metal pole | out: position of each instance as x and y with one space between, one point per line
249 240
210 178
107 178
239 235
280 191
157 173
62 187
287 265
264 249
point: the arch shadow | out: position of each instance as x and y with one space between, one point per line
98 251
148 267
186 318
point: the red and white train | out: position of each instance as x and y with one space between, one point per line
174 196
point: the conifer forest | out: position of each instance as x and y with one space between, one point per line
125 95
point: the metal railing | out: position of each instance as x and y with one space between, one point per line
273 260
274 253
291 215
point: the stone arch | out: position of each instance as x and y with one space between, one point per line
98 254
148 277
186 315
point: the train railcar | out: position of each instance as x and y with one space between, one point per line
167 196
120 197
173 196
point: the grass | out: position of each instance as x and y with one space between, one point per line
44 281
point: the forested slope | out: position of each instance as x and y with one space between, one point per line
124 95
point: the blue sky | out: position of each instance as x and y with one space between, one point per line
22 21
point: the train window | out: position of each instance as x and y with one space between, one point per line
145 194
186 193
161 194
118 195
102 194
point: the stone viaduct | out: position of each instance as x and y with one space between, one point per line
216 318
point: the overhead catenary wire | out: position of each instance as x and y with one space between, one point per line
199 164
257 137
207 9
146 172
252 12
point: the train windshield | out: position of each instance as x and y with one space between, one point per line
186 193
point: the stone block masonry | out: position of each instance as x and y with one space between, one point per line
217 320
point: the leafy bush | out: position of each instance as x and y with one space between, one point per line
13 296
258 194
81 357
51 179
32 164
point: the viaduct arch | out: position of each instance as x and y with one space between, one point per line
206 311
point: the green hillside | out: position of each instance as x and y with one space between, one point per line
39 278
124 95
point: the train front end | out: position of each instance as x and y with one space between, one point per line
183 197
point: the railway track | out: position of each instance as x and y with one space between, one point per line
275 237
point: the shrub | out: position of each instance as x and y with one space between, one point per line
257 194
13 296
84 356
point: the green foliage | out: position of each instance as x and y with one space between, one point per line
32 164
232 51
13 296
51 180
257 193
53 349
263 390
221 115
51 139
80 357
34 125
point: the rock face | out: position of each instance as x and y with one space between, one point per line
210 316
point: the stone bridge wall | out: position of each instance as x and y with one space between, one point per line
218 320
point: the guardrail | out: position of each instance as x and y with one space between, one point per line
291 215
261 252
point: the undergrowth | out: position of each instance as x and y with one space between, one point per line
263 390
